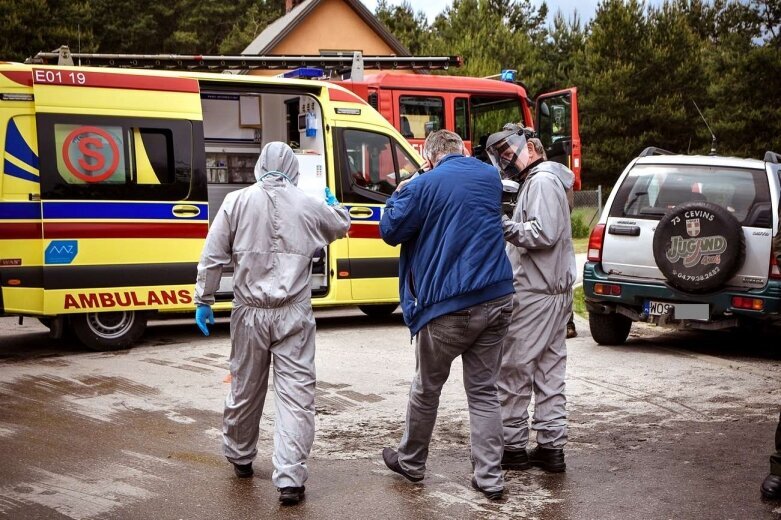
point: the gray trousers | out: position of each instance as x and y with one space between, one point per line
476 335
534 358
286 334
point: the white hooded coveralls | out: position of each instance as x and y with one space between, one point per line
534 354
270 231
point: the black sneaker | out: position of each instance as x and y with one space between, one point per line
290 496
771 487
243 470
572 332
391 458
515 459
549 459
490 495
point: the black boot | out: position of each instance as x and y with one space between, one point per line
243 470
490 495
391 458
515 459
549 459
290 496
771 487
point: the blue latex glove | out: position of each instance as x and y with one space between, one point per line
204 313
330 198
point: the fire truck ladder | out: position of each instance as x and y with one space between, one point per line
353 64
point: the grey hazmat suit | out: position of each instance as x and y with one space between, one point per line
270 231
534 355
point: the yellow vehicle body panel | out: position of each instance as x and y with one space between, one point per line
61 256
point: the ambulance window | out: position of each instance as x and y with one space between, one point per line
120 158
372 165
462 118
91 154
154 155
420 115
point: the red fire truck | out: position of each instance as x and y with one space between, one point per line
417 104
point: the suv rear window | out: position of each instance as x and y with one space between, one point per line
650 190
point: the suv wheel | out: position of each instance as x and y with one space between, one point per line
609 329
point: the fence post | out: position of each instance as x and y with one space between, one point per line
599 198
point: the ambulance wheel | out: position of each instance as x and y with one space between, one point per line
378 311
105 331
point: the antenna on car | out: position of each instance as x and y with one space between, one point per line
713 136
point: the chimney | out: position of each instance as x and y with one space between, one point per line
289 5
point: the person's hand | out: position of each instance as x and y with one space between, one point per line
204 313
330 198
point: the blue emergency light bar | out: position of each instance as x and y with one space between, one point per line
305 73
508 75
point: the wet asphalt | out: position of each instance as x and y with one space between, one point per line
672 425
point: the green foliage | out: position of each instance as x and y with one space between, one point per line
581 220
134 26
579 302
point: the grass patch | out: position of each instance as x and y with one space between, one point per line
580 245
579 302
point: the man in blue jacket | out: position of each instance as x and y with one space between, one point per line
455 287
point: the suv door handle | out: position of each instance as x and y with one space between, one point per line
186 211
630 231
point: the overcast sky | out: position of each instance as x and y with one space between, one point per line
432 8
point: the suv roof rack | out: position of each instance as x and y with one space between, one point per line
772 157
354 62
654 150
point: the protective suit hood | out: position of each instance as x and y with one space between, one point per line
277 157
563 173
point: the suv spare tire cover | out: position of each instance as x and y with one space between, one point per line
698 246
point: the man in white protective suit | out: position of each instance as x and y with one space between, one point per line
270 232
540 249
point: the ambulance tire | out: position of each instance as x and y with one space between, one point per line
378 311
106 331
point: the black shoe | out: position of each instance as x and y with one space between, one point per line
391 458
771 487
549 459
290 496
490 495
571 330
515 459
243 470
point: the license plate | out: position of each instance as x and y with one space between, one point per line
679 311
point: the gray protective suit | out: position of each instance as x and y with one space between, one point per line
270 232
534 351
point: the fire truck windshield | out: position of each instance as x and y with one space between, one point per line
489 115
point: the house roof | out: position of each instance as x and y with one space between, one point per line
280 28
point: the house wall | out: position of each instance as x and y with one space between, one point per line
331 26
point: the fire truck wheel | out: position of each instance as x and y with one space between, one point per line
378 311
698 246
104 331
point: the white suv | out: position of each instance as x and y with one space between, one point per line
685 241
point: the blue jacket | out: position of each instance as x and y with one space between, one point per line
448 222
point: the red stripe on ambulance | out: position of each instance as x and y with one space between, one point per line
364 231
75 78
23 78
20 231
123 230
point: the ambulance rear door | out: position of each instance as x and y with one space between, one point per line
557 126
123 195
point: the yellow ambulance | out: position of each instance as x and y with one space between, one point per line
109 177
